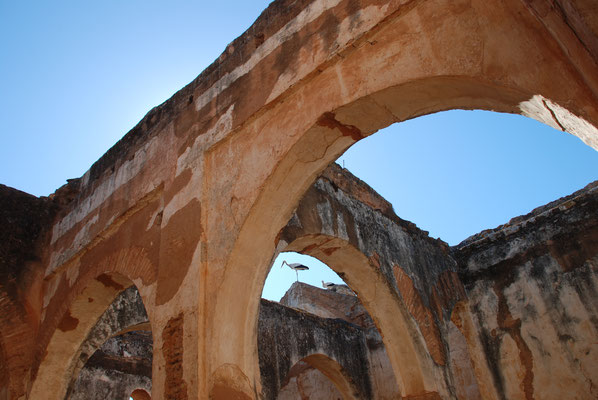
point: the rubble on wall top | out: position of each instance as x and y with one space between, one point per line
516 224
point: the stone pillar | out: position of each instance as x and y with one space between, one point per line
175 355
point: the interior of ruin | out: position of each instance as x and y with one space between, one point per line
142 279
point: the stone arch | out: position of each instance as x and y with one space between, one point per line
459 77
407 353
334 372
344 223
126 313
287 336
415 58
330 135
74 309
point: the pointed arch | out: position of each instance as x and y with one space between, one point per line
75 309
334 372
330 134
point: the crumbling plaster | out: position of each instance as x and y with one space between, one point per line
187 206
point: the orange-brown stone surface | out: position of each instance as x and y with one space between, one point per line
190 204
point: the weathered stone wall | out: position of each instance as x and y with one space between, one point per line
23 220
122 365
577 16
113 366
419 270
287 336
531 293
327 304
331 304
532 290
126 313
188 204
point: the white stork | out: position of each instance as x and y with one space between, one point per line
328 285
296 267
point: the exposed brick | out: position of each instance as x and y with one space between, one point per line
172 348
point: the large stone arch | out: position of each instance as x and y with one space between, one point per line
422 58
205 182
75 305
407 353
406 280
126 313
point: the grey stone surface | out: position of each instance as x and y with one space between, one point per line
287 335
532 286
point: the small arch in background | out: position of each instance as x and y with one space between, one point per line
330 369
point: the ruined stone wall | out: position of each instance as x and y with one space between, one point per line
327 304
419 270
23 220
531 294
126 313
122 365
188 205
287 336
532 289
331 304
113 366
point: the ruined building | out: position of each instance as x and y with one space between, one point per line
163 246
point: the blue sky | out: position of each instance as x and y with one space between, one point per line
76 76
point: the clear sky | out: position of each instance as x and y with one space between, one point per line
75 76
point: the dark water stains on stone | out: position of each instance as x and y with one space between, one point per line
107 281
68 322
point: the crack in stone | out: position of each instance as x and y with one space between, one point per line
554 117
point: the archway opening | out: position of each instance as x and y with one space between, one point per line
281 277
456 173
101 304
333 301
115 360
310 146
504 154
323 298
122 363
